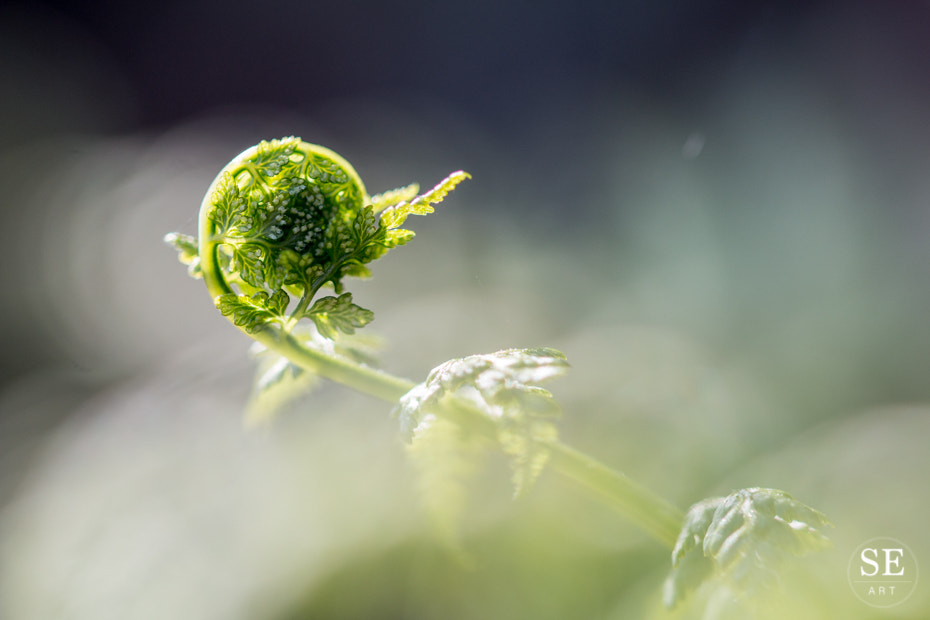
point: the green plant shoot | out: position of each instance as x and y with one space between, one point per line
286 220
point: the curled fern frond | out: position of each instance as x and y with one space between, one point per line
740 539
289 217
282 208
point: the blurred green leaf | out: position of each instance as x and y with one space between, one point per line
278 383
739 540
446 460
502 384
188 252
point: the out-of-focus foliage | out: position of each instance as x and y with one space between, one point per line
505 386
740 541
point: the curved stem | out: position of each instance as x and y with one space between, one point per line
640 506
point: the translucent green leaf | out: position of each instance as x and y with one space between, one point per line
394 216
188 252
298 270
740 539
525 444
503 381
357 270
230 205
273 155
332 315
284 207
381 201
364 226
255 312
397 237
502 384
247 262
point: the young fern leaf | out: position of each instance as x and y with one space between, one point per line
272 156
188 252
504 386
394 216
230 211
740 539
332 315
382 201
525 441
256 312
247 263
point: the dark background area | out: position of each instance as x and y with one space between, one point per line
499 63
510 68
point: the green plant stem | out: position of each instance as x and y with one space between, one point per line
637 504
299 309
309 293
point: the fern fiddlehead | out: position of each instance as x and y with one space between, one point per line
286 218
280 222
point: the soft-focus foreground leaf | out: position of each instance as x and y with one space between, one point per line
188 252
278 382
738 542
504 386
446 459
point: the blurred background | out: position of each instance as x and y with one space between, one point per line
719 211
